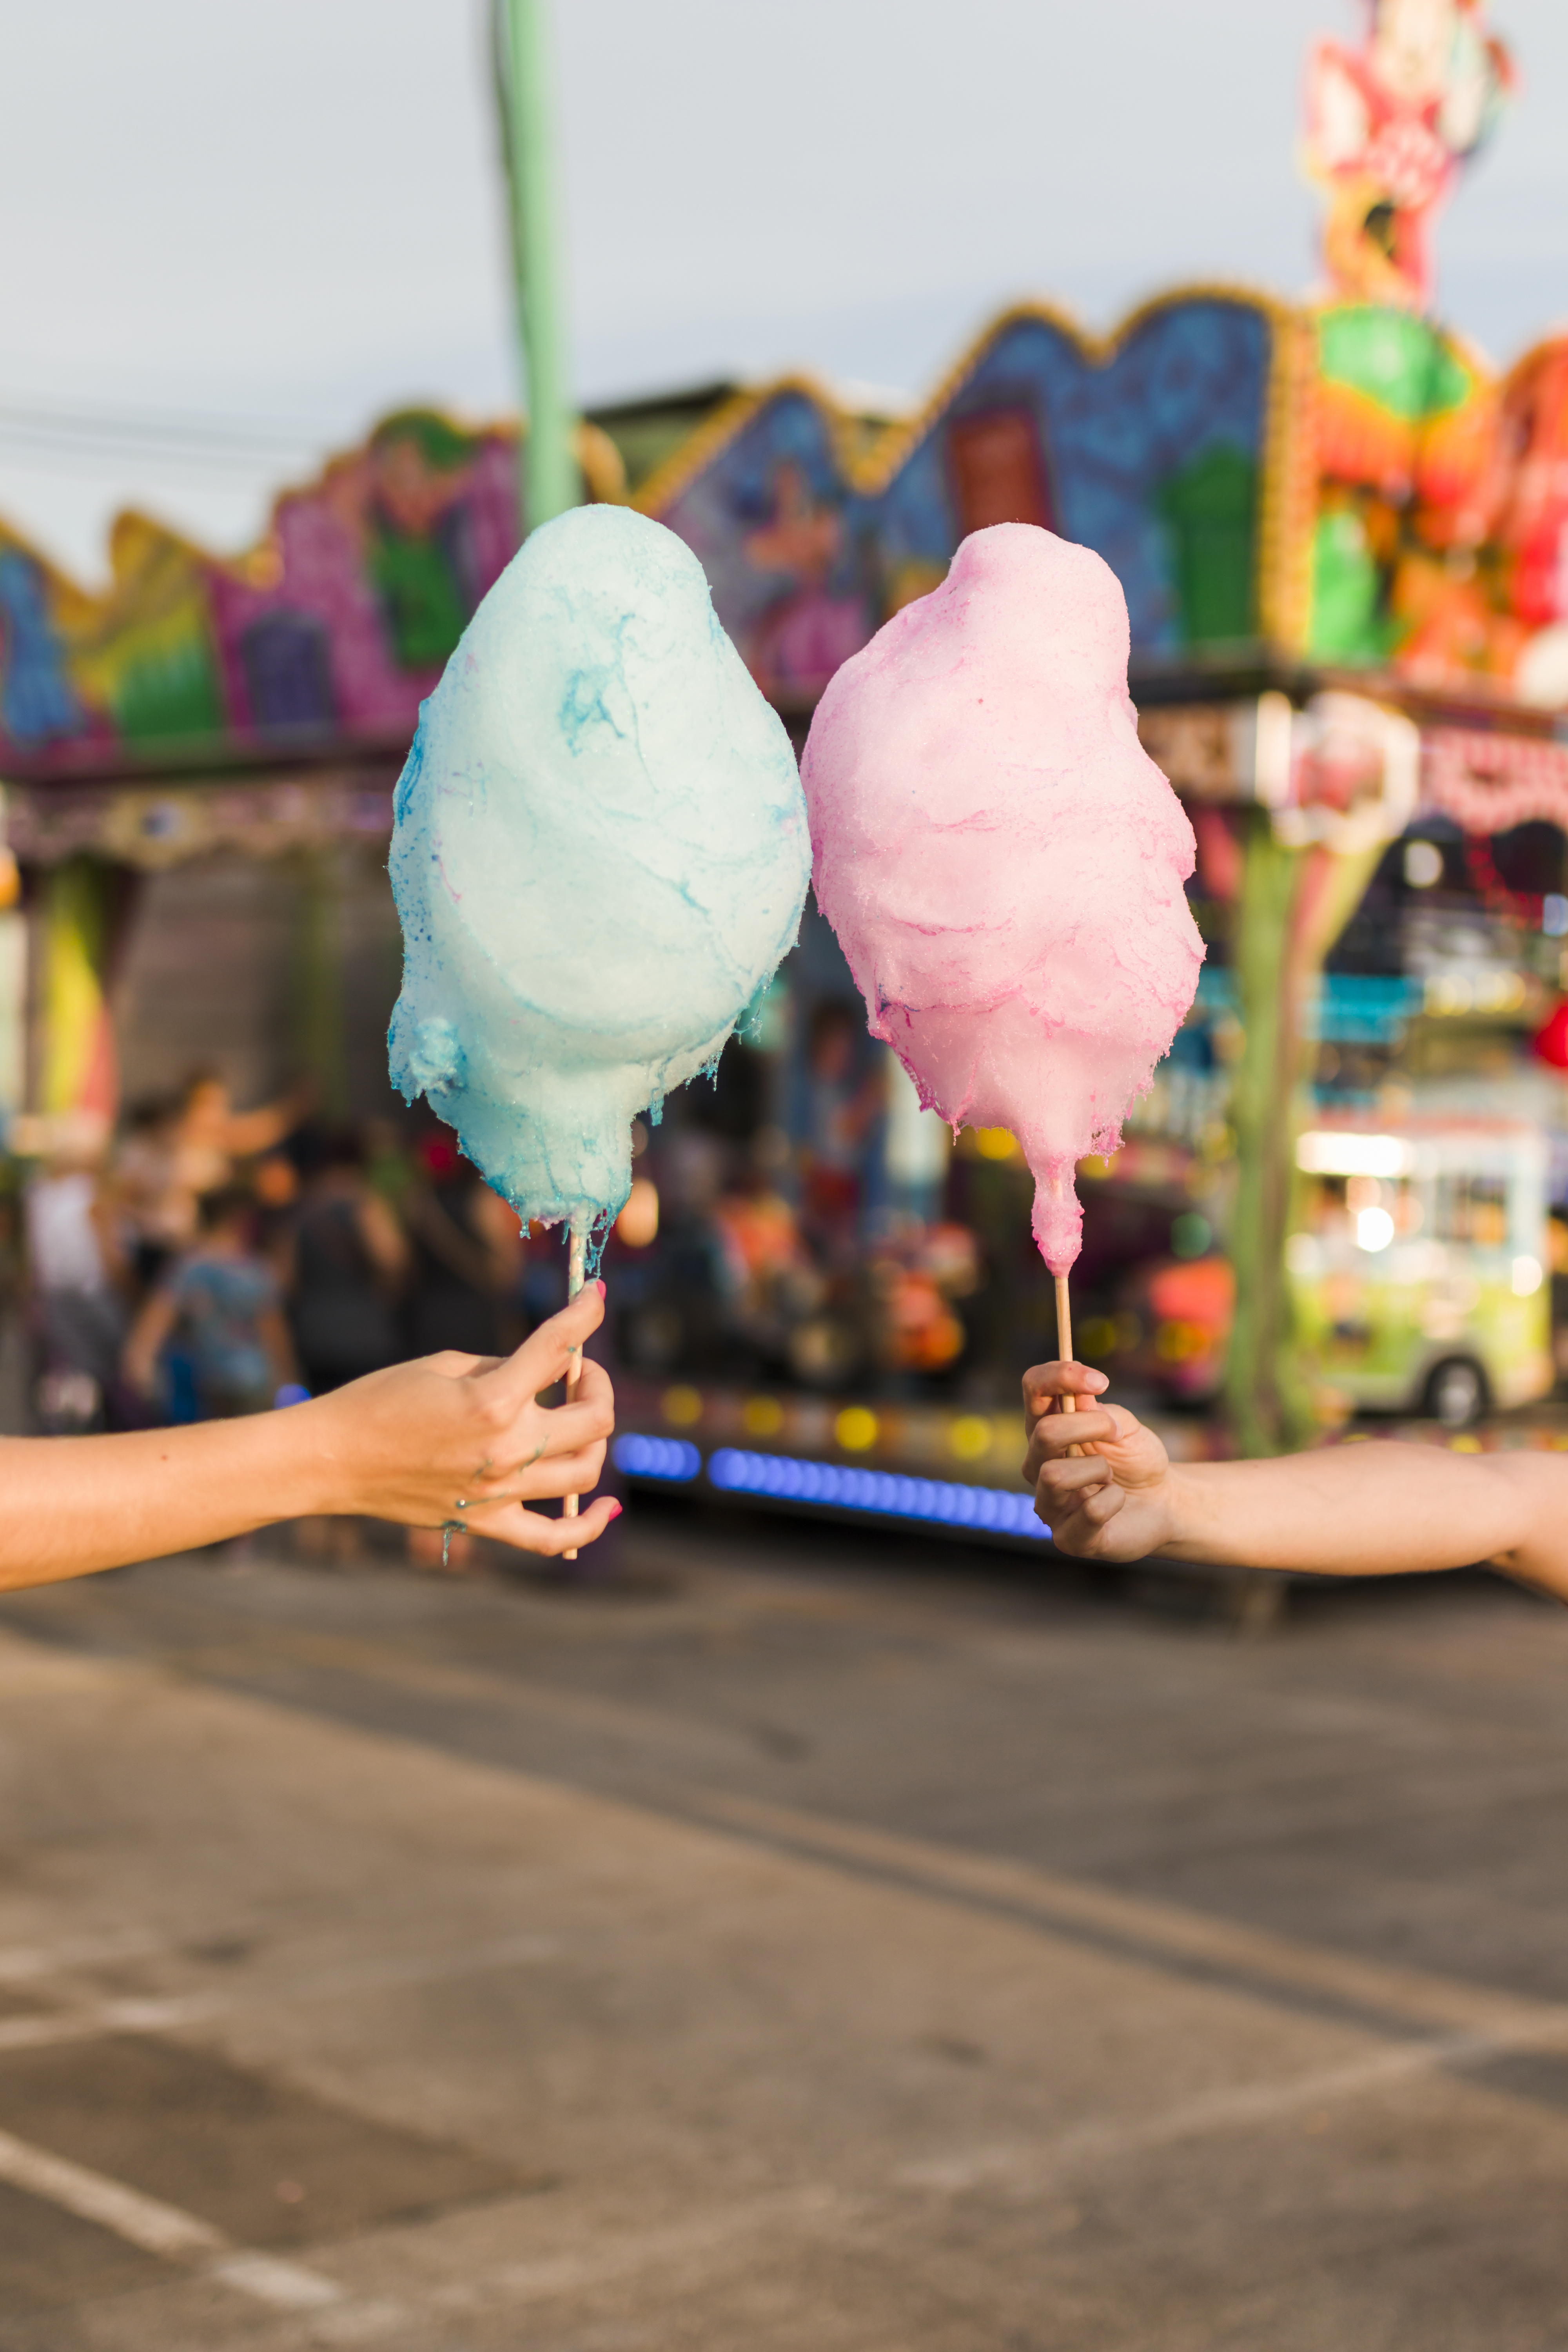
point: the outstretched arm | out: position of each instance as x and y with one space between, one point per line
152 1325
452 1439
246 1134
1349 1510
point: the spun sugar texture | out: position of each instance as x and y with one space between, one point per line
1001 859
600 854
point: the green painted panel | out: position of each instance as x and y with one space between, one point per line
172 692
1395 359
1211 510
1348 624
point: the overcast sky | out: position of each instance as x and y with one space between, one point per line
282 217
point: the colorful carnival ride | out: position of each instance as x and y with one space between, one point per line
1344 486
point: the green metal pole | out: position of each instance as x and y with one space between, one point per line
1263 1407
1294 905
549 478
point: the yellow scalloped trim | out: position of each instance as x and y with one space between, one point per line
1288 481
1288 504
728 421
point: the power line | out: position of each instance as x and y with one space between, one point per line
188 440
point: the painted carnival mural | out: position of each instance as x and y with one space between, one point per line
1159 450
1164 449
1349 485
332 629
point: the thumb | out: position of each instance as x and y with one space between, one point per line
541 1361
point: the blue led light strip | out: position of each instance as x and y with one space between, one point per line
991 1509
657 1457
784 1477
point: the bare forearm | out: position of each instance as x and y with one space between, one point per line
1374 1510
423 1443
1108 1490
76 1504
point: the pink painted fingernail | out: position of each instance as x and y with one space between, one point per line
615 1509
600 1289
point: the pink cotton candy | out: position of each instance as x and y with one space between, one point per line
1001 859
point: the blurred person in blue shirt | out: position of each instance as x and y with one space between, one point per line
221 1302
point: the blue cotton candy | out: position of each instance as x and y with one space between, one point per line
600 856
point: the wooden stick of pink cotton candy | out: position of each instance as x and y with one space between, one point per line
1064 1348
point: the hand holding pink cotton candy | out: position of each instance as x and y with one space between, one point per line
1002 861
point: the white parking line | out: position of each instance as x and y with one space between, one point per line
823 2210
143 2222
160 2228
1233 2108
24 1960
128 2016
266 2278
147 2222
724 2231
153 2013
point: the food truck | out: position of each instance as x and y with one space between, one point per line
1419 1268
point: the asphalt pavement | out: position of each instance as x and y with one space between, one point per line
798 1941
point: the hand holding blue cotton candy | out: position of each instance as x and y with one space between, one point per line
601 853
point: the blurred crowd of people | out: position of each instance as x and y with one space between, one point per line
825 1258
211 1261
